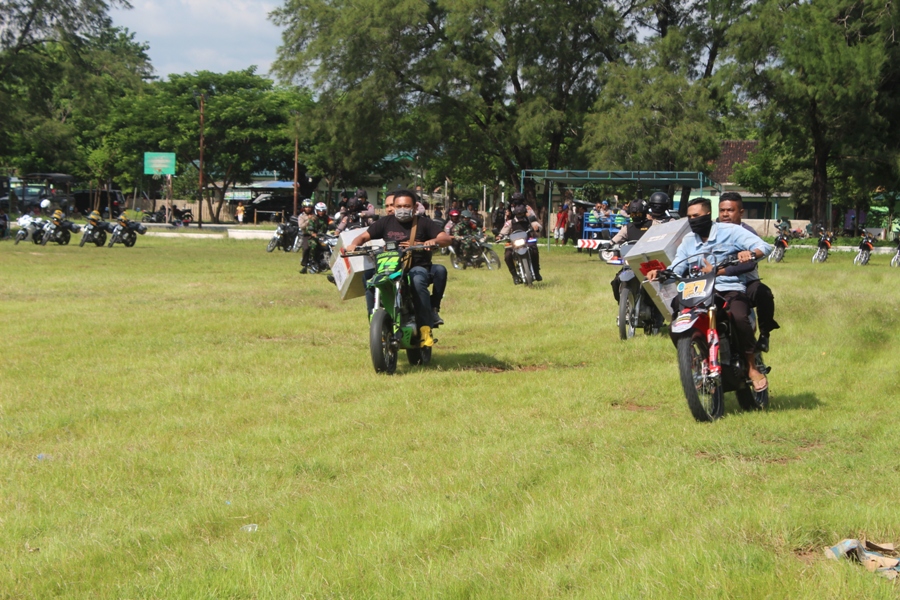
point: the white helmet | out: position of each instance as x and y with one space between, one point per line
45 203
320 207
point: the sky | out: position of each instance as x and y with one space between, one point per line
204 35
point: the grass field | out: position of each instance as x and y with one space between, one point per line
157 399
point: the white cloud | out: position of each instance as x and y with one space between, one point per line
196 35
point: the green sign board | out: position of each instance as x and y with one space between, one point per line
159 163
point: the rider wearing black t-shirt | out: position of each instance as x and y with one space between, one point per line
397 228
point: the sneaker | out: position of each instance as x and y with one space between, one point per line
303 271
438 321
425 338
762 344
537 277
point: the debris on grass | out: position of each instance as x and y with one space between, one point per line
250 528
876 558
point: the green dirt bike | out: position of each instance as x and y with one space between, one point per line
393 324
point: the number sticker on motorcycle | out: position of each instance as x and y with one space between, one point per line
691 289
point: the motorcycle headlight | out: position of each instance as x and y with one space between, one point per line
519 243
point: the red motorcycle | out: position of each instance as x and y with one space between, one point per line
710 361
781 244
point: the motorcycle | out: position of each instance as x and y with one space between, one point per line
182 217
895 262
781 244
866 244
155 217
392 326
32 227
636 309
825 240
59 231
521 243
285 237
95 233
321 247
126 234
705 338
484 255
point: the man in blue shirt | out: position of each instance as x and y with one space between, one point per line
719 241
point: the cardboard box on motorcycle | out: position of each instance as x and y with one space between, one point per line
348 271
659 243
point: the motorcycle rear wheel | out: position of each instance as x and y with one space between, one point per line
491 259
100 239
381 333
273 243
129 239
704 399
418 356
63 238
866 256
627 312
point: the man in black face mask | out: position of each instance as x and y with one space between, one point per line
398 227
632 232
722 240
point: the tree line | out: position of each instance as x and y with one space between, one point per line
475 92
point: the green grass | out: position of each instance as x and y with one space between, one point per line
181 389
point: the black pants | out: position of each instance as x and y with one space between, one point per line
535 260
762 298
304 249
739 305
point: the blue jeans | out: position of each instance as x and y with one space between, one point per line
419 279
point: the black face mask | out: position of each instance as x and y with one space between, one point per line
701 225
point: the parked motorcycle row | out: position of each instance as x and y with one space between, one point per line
58 229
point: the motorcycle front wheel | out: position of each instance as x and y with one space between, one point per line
895 262
273 243
491 259
45 238
84 238
777 254
20 236
381 333
525 272
456 261
627 312
866 256
704 396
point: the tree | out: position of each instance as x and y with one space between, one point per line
247 126
815 69
762 173
519 74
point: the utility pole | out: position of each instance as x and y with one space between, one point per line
200 209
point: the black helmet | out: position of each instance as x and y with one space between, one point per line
659 203
517 198
637 207
354 205
519 210
361 193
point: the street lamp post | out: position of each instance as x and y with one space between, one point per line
201 98
296 160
